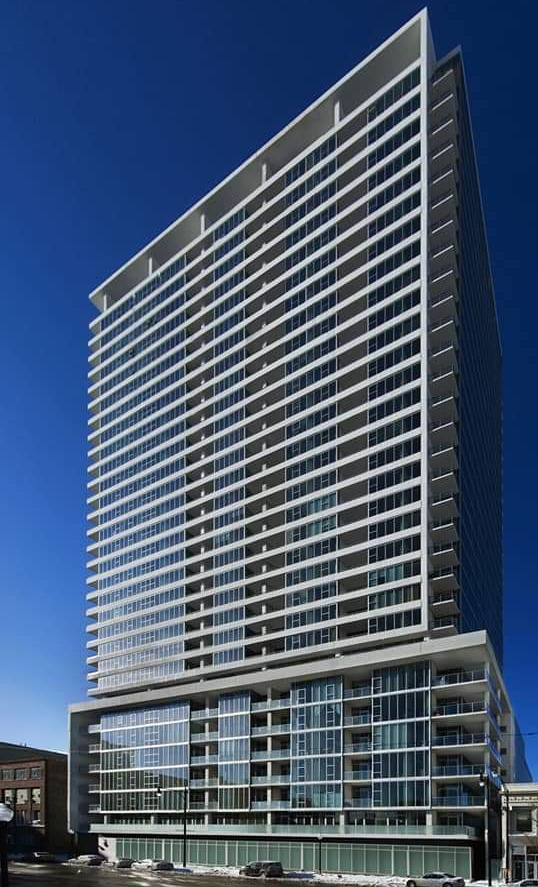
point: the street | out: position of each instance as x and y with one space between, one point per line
31 875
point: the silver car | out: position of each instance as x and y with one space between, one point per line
436 879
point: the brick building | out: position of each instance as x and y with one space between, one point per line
33 782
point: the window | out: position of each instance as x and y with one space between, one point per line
7 774
21 774
392 95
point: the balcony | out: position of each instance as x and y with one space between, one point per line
358 775
444 457
270 805
358 748
359 830
456 739
445 626
459 770
443 579
443 554
94 748
444 481
270 755
204 713
458 801
268 705
358 692
203 783
266 730
204 737
444 432
204 759
271 780
357 720
203 805
94 768
459 708
461 677
445 604
94 728
93 787
358 803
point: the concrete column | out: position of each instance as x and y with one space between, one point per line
337 109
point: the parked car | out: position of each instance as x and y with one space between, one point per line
436 879
38 857
154 865
266 869
85 859
124 863
162 865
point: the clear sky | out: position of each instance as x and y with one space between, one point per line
116 116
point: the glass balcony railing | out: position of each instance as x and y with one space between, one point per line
461 677
357 774
203 783
458 801
268 705
268 829
358 692
357 748
276 728
205 759
270 755
457 770
459 708
461 739
270 780
270 805
357 720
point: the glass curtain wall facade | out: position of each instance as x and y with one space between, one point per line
295 463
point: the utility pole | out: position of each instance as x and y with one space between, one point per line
485 783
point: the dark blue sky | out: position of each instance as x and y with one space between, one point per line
116 116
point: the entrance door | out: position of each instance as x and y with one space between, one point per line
532 866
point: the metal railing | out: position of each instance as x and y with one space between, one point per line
271 755
358 692
357 748
268 705
205 759
458 770
270 780
461 677
460 708
461 739
357 720
204 713
458 801
276 728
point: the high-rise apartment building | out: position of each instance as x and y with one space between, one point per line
295 565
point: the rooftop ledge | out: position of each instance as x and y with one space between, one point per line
373 74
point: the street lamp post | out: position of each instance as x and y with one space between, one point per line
6 815
506 836
484 782
185 827
158 793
